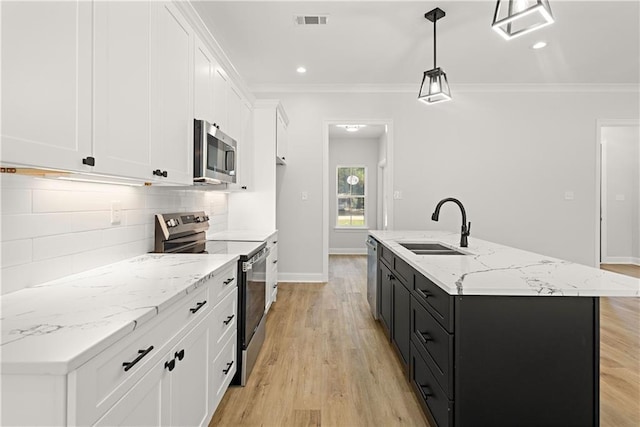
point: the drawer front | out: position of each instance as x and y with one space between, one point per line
435 343
386 255
403 270
221 371
429 392
102 381
223 282
224 320
438 302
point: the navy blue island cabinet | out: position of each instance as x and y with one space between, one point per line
492 360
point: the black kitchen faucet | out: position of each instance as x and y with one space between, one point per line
466 229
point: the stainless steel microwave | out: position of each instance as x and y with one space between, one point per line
214 154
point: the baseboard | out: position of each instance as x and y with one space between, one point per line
621 260
347 251
300 277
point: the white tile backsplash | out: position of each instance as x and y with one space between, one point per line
51 228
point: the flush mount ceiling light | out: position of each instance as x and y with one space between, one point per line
539 45
435 86
301 70
352 128
514 18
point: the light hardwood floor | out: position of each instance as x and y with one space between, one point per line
326 362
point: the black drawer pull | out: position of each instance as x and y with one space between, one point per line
229 319
391 277
226 282
141 354
170 365
275 286
157 172
180 355
165 174
424 391
229 365
275 261
198 306
275 241
89 161
423 294
424 337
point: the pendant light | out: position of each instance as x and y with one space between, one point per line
515 18
435 86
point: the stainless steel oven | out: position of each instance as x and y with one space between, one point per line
214 154
184 232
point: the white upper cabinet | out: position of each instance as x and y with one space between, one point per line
220 98
46 83
122 141
173 125
282 136
244 150
234 113
203 71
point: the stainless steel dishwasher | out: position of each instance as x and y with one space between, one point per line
372 275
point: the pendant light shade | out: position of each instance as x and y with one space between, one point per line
435 86
515 18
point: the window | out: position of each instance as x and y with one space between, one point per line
351 194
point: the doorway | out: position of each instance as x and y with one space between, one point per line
618 234
357 160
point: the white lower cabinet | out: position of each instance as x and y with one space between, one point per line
272 271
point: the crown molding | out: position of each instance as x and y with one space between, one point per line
461 88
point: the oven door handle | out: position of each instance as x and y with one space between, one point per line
248 265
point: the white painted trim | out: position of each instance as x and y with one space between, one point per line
460 87
621 260
325 179
300 278
600 123
347 251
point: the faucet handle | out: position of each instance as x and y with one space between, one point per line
466 230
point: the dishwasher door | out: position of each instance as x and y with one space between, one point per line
372 275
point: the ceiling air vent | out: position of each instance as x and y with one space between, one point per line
311 19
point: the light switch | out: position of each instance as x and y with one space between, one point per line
568 195
116 212
620 197
397 195
305 195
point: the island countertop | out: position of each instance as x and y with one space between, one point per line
492 269
55 327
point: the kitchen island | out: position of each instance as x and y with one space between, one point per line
495 336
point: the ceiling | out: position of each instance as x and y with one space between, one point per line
391 43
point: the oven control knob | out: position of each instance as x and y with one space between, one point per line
206 218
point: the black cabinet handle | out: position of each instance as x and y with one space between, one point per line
165 174
89 161
198 306
179 355
229 319
275 286
141 354
423 294
275 242
226 282
229 365
157 172
424 391
275 261
244 187
391 277
424 337
170 365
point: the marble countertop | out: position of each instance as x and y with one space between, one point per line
493 269
241 235
55 327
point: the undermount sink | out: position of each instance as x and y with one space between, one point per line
430 249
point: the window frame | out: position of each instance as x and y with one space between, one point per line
365 225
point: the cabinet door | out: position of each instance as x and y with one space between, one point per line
122 88
234 114
220 98
142 405
386 290
244 151
173 139
281 138
401 323
185 388
203 82
46 83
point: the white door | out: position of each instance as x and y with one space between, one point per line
46 83
122 88
173 137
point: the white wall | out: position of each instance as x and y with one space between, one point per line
352 152
54 228
509 156
622 181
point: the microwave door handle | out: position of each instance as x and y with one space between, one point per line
228 160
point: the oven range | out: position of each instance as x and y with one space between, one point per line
185 232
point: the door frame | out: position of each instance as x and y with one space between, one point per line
388 185
600 208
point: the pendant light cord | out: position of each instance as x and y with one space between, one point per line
434 42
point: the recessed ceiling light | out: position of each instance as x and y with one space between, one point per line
301 70
539 45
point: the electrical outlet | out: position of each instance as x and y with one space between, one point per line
620 197
568 195
397 195
116 212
